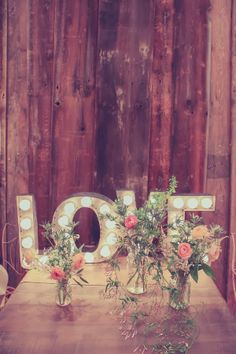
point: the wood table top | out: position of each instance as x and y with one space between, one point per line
32 323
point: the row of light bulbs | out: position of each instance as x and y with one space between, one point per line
26 223
192 202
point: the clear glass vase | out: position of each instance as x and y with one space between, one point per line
63 292
179 297
137 275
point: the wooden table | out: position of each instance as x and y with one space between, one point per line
31 323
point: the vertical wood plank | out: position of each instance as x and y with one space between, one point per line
123 97
161 95
74 99
3 119
189 86
17 118
218 138
40 87
231 296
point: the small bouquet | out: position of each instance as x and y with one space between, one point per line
191 247
63 260
140 233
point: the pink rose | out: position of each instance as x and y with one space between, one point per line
213 253
57 273
184 250
131 221
78 261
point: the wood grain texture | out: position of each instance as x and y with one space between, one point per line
231 294
123 103
218 126
3 119
74 100
189 101
161 95
40 66
74 94
18 120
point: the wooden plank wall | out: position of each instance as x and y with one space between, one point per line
40 78
231 284
98 95
123 119
3 119
218 150
161 94
189 104
18 119
73 106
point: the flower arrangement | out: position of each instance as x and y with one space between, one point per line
62 260
191 247
140 234
183 248
170 253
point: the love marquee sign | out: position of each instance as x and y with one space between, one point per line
101 205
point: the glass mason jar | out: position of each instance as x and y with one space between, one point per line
63 292
179 297
137 275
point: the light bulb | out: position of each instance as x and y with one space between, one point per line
63 221
178 203
27 242
43 259
24 204
69 208
86 202
26 223
104 209
206 203
89 257
105 251
110 224
192 203
127 200
111 239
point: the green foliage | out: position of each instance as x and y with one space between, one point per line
217 231
208 270
172 185
121 208
170 348
112 283
127 300
137 315
114 263
61 253
194 273
150 328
